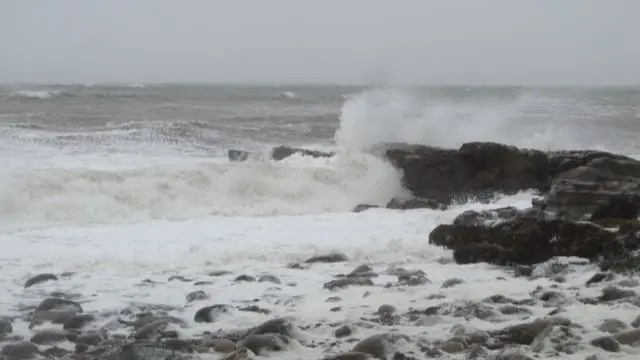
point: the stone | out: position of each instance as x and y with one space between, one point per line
39 279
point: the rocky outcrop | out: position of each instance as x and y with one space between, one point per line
576 183
475 170
278 153
524 239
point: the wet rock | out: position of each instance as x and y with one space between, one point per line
255 309
606 343
415 279
91 339
258 343
238 155
600 277
629 283
6 327
362 271
283 152
486 217
53 316
221 345
280 326
415 203
197 295
346 282
269 278
612 293
39 279
217 273
476 169
209 314
329 258
51 336
386 309
514 310
152 330
528 241
452 347
525 333
351 356
452 282
636 322
203 283
363 207
244 278
376 345
22 350
179 278
54 352
77 322
628 337
59 304
612 326
343 331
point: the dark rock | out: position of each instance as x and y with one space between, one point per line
363 207
486 217
59 304
330 258
606 343
528 241
257 343
255 309
351 356
209 314
179 278
6 327
628 337
244 278
91 339
636 322
362 270
612 326
53 316
54 352
612 293
599 277
345 282
51 336
269 278
415 203
217 273
513 310
525 333
476 170
343 331
280 326
386 309
77 322
197 295
237 155
22 350
451 283
152 330
39 279
203 283
604 187
283 152
376 345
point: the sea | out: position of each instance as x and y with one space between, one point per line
121 187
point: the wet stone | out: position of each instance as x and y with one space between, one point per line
197 296
244 278
59 304
209 314
329 258
77 322
343 331
451 282
612 326
39 279
606 343
269 278
345 282
51 336
22 350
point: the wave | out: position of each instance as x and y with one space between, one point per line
297 185
37 94
383 116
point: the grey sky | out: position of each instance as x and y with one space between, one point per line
402 41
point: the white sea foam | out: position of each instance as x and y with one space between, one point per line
35 94
193 189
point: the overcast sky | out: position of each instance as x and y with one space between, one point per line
543 42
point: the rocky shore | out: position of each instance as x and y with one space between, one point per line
573 253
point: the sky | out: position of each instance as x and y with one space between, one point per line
491 42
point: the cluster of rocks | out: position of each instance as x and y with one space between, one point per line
583 194
146 332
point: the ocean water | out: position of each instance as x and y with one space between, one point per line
118 184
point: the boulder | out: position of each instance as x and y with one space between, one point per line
278 153
527 240
475 170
